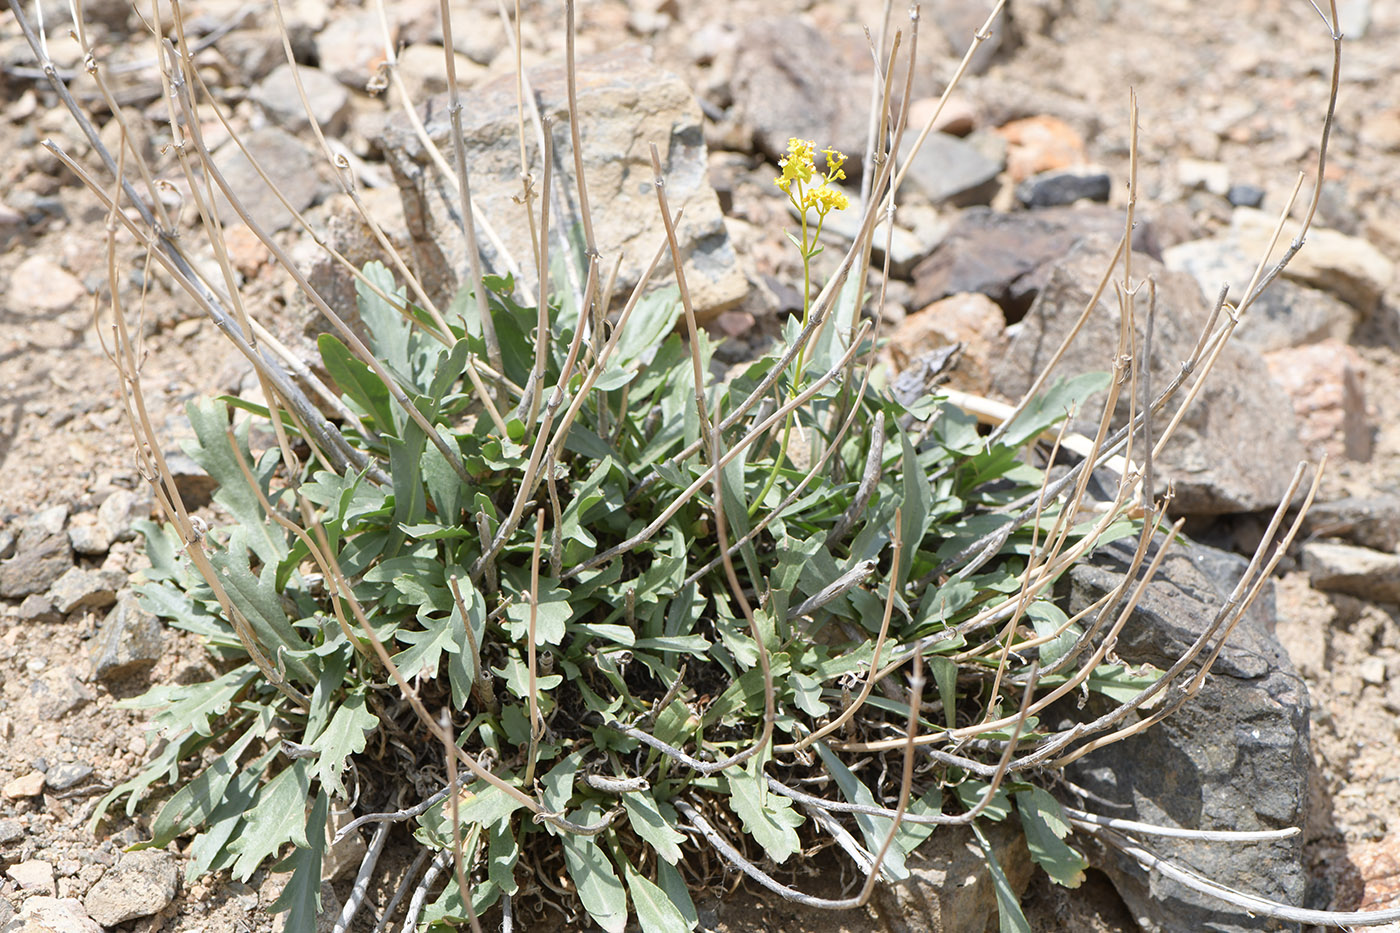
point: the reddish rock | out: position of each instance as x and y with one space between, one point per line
973 320
1378 863
1326 382
1041 144
245 250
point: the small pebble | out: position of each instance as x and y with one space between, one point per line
1245 195
29 785
1372 671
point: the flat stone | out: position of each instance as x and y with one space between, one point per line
88 536
196 486
41 286
54 915
290 165
42 555
1239 408
66 775
1008 257
1203 175
10 831
254 52
627 103
1372 522
949 170
1346 266
33 875
1234 757
1325 382
1356 571
129 642
424 70
1372 671
142 883
1056 189
79 588
38 607
329 100
122 507
55 694
27 785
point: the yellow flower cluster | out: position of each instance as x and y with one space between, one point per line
799 168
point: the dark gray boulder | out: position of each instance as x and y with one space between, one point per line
1234 757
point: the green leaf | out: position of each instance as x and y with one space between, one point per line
647 821
971 792
557 786
210 449
191 805
593 875
1121 683
945 676
768 818
1045 824
655 911
257 598
209 851
1012 920
671 881
391 334
424 655
651 320
915 509
357 381
481 804
193 706
875 829
553 614
345 736
1047 410
1047 618
301 898
278 817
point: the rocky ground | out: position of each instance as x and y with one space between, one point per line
987 250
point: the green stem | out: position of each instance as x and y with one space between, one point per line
808 250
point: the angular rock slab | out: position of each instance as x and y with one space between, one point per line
1008 257
1234 757
625 104
1236 447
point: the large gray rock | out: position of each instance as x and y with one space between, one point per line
790 81
625 105
1234 757
1241 410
